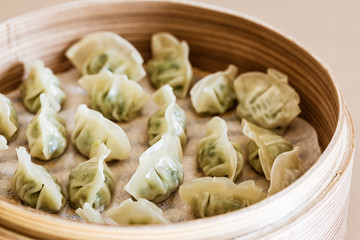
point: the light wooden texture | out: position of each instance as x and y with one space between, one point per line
314 207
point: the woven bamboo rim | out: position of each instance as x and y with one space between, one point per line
313 207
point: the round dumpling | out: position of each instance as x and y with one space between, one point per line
266 99
115 96
214 94
106 51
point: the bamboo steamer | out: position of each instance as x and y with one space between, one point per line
314 207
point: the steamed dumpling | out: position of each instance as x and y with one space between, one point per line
266 99
286 169
214 94
169 117
35 186
46 133
92 181
217 156
90 125
136 213
8 118
3 143
41 80
213 196
264 147
106 51
170 63
115 96
89 214
160 171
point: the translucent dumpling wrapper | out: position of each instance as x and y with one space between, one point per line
170 63
8 118
286 169
90 125
115 96
138 212
33 185
264 147
89 214
46 133
40 79
106 51
92 181
216 155
266 99
169 118
213 196
3 143
159 172
214 94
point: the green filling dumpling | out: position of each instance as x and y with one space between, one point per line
92 181
41 80
213 196
35 186
115 96
106 51
8 118
140 212
90 125
170 117
216 155
264 147
266 99
160 170
214 94
170 63
46 133
286 169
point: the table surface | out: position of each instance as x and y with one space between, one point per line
328 28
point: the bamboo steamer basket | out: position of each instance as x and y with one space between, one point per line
314 207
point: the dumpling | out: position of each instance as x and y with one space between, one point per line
169 117
92 181
90 125
170 63
136 213
266 99
115 96
89 214
264 147
286 169
8 118
160 171
35 186
214 94
106 51
213 196
41 80
217 156
3 143
46 133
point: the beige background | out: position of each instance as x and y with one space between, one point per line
329 28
